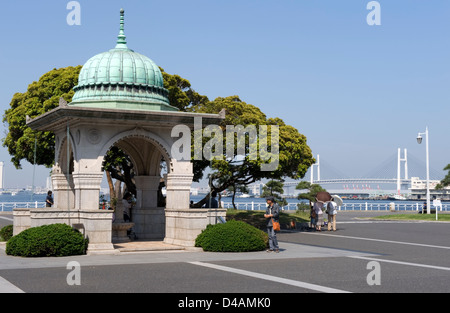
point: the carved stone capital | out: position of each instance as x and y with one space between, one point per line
87 180
179 181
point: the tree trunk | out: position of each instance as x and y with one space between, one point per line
111 190
232 199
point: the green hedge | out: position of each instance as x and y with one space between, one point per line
6 233
232 236
48 240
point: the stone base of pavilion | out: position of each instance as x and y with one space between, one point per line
182 226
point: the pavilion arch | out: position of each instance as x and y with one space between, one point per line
145 150
62 176
61 154
129 140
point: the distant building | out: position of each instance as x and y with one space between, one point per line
419 190
255 189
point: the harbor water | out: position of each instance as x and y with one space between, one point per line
8 202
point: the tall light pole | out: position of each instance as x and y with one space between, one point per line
419 141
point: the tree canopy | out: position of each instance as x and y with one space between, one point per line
312 190
446 180
294 156
40 97
275 189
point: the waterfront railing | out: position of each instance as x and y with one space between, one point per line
259 206
9 206
358 206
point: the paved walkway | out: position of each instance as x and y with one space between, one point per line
142 246
140 256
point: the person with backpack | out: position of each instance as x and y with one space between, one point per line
331 211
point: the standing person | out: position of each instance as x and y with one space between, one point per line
213 201
319 214
331 210
49 199
126 201
272 212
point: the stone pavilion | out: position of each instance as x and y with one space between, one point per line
120 100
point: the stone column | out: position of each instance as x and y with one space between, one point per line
149 219
178 186
63 191
182 223
178 190
147 191
87 190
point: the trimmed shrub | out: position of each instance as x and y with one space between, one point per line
6 233
232 236
48 240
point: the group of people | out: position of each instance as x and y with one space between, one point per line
273 214
317 215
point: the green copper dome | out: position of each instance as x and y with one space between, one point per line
121 78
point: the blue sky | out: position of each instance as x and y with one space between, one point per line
358 92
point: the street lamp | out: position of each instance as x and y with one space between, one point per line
419 141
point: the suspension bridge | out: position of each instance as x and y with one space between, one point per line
396 170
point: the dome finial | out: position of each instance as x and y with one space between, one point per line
121 39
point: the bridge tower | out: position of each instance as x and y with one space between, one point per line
317 164
399 160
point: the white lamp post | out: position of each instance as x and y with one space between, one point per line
419 141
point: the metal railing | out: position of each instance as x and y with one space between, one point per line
9 206
259 206
359 206
256 206
365 206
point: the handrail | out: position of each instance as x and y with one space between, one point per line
358 206
9 206
259 206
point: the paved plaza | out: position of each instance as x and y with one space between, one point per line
362 256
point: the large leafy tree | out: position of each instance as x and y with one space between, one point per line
181 94
43 95
40 97
294 156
